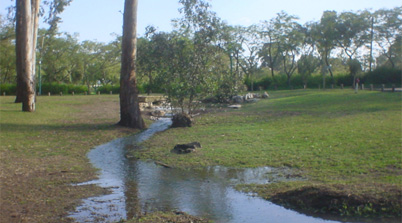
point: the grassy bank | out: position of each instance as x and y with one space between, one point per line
347 145
42 153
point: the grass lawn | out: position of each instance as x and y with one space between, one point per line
42 153
347 145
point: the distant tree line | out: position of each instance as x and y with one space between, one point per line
204 56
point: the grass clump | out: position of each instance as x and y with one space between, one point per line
335 137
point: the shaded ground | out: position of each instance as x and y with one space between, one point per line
381 200
42 153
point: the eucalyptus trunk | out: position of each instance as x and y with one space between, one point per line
130 114
26 35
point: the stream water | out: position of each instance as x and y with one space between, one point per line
142 186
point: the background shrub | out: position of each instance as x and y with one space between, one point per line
56 88
78 89
383 75
106 89
9 89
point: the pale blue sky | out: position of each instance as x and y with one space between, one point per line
97 19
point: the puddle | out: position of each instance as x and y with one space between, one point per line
142 186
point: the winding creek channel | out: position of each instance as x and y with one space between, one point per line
142 186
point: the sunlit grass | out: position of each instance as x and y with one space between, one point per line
333 137
333 134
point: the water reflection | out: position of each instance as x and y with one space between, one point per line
140 187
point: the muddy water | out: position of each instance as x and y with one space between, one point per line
142 186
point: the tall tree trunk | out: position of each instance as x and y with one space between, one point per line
130 114
26 33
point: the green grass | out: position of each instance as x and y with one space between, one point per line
343 133
333 137
344 141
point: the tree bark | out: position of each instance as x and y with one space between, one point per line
327 63
26 33
130 114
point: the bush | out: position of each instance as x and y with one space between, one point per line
55 88
9 89
383 75
314 81
78 89
106 89
296 82
154 88
346 80
263 83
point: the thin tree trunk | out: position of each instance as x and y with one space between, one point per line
371 43
26 33
329 66
130 114
272 63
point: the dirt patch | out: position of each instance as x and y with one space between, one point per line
341 200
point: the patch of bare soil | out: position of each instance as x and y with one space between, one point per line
379 200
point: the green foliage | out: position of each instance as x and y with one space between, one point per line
351 33
9 89
115 89
78 89
7 52
307 65
354 67
297 82
213 58
106 89
191 63
383 75
345 79
263 83
55 88
388 36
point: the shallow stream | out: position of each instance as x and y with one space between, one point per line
142 186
